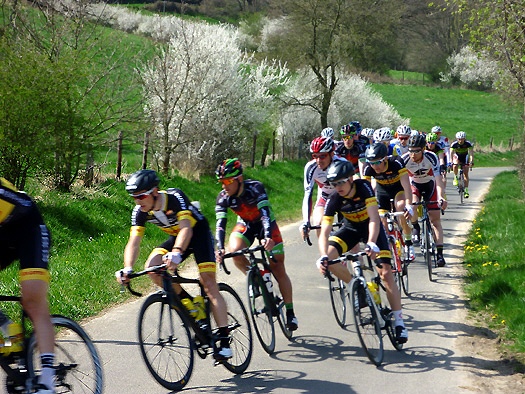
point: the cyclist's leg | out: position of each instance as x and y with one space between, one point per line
202 246
343 240
435 220
241 237
416 230
34 283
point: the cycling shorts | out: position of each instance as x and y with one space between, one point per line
28 240
201 245
249 231
383 199
428 192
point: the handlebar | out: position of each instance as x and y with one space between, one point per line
306 236
161 269
440 202
250 251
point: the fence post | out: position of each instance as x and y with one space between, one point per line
491 142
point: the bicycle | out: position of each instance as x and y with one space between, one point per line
77 364
428 244
266 305
371 315
169 336
398 248
336 287
461 182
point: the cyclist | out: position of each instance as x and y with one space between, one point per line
423 170
327 132
355 200
390 182
189 232
255 219
351 146
403 132
322 150
25 237
434 145
367 135
461 152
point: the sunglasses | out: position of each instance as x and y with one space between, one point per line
348 137
321 156
227 181
142 196
431 143
339 183
415 151
374 163
402 138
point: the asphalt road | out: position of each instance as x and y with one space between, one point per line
323 358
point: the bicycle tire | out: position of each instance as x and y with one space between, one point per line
241 341
404 274
396 260
165 342
388 316
366 321
261 311
338 299
77 363
281 316
461 187
427 248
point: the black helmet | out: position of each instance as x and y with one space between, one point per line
339 169
229 168
417 141
376 151
142 180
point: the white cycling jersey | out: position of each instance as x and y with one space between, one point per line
424 171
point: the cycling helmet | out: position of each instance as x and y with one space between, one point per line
327 132
383 134
403 130
414 132
368 132
229 168
322 144
357 125
142 180
376 151
350 128
461 134
417 141
432 137
436 129
339 169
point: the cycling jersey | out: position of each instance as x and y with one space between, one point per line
351 154
388 183
425 170
398 149
177 207
255 216
445 143
23 234
355 219
461 150
314 175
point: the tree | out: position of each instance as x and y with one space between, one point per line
497 28
329 36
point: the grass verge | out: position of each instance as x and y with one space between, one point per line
495 261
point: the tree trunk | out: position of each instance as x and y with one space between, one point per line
145 149
266 147
254 146
119 154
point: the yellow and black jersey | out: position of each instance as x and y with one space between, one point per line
13 203
388 181
176 207
353 209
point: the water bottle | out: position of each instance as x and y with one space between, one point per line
190 306
198 301
374 289
267 278
12 335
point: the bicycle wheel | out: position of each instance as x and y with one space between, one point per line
281 316
388 316
165 342
366 321
427 247
397 269
461 187
77 364
261 311
241 341
338 297
404 272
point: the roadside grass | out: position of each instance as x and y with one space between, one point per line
495 261
481 115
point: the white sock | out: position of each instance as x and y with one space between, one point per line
398 317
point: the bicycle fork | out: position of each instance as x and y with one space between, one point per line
356 265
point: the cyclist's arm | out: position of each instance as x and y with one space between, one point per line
309 184
375 222
183 238
132 249
220 228
326 228
471 156
405 183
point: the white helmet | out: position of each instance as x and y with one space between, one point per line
436 129
403 130
414 132
327 132
461 134
383 134
367 132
